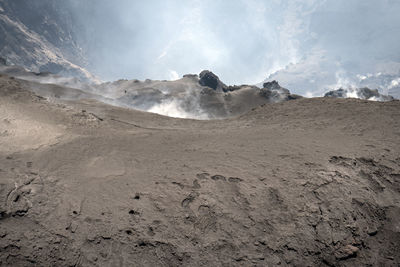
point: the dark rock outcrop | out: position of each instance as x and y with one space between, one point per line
274 85
209 79
192 97
3 61
273 91
362 93
369 93
339 93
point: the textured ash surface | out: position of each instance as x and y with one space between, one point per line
308 182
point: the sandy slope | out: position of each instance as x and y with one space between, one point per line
309 182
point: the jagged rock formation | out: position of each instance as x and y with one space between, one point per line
197 96
39 36
274 85
389 84
185 98
209 79
181 98
339 93
362 93
272 90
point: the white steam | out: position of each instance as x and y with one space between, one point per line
173 108
173 75
352 93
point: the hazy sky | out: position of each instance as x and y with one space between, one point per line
306 44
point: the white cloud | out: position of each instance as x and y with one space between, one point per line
173 75
163 54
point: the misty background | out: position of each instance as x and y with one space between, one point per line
309 46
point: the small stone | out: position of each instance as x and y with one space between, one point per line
91 236
72 227
134 212
372 232
106 235
346 252
3 234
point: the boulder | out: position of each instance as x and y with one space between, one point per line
274 85
275 93
346 252
367 93
339 93
209 79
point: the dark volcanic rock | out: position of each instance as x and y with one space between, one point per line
273 91
294 97
209 79
369 93
340 93
274 85
362 93
3 61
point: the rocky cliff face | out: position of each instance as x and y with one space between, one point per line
39 35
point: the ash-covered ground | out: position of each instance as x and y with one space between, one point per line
305 182
192 171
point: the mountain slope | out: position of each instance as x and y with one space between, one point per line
39 36
309 182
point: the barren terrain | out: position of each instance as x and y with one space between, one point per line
308 182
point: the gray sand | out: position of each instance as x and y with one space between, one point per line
308 182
